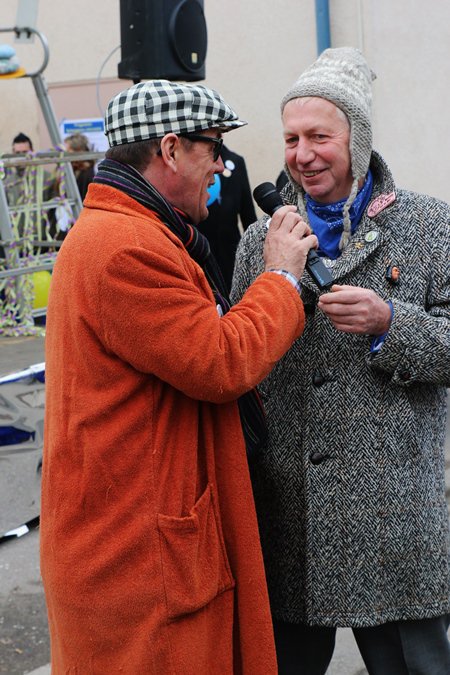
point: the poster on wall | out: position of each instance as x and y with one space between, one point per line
91 127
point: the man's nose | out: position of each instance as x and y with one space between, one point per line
305 151
220 166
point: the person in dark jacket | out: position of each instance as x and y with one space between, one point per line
350 491
230 202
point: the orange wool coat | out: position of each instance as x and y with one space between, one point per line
150 553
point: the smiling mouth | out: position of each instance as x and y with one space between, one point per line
311 174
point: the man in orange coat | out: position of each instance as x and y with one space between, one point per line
149 543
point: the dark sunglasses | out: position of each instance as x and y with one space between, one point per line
218 142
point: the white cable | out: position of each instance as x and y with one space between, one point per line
97 88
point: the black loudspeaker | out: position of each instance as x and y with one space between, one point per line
162 39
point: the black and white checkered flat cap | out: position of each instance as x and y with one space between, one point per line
155 108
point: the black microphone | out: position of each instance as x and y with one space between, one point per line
269 200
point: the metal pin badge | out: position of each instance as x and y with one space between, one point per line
371 236
393 274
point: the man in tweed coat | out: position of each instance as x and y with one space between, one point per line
350 490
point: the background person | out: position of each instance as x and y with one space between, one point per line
21 144
27 190
150 553
230 201
350 491
13 183
84 170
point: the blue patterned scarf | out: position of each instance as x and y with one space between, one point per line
327 220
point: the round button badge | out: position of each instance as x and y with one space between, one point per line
371 236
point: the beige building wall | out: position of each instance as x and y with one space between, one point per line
256 50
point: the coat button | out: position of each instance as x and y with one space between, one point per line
318 379
405 375
316 458
309 309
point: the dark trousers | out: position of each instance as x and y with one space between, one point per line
400 648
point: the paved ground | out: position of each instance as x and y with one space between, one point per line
24 644
24 641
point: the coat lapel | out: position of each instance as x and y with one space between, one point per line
372 232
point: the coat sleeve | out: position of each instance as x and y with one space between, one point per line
417 347
158 314
249 260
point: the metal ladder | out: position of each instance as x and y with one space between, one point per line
50 120
13 268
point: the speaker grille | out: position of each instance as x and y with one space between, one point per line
162 39
188 35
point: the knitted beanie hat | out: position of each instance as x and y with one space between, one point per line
343 77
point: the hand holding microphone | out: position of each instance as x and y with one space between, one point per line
289 241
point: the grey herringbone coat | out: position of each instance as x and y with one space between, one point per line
358 534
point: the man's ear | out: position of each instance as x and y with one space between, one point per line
170 144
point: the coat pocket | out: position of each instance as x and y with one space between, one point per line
194 561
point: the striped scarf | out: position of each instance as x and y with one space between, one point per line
128 180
